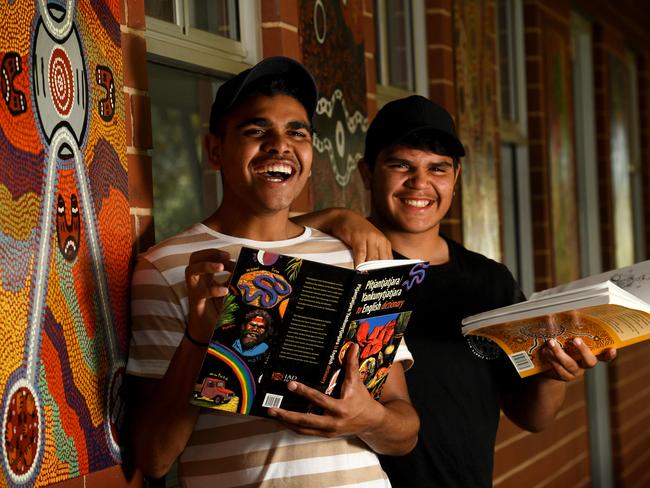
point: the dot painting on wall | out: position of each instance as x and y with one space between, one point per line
64 239
331 37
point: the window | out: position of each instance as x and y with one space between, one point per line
185 189
218 35
515 186
625 159
400 49
193 46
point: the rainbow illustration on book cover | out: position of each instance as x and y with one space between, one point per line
65 241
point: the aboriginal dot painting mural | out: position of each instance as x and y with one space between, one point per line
64 239
331 37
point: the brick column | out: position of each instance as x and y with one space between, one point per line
138 124
280 28
370 44
603 148
442 88
537 147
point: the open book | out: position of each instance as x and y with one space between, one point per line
607 310
287 318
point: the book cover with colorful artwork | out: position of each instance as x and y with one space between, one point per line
288 318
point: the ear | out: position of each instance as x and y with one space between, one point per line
213 150
366 174
458 168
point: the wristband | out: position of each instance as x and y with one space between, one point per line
193 340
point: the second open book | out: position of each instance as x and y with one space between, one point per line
607 310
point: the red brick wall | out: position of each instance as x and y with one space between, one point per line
558 456
371 49
535 19
442 89
138 124
630 416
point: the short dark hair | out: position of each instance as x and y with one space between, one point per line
423 140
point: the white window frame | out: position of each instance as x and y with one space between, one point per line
386 92
177 43
517 226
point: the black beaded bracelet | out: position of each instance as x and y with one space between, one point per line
193 340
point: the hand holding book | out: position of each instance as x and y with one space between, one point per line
565 367
205 277
594 313
346 415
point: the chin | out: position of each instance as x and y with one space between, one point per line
417 227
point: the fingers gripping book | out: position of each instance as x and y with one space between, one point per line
609 310
287 318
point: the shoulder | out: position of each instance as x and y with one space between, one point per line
170 256
321 247
474 262
485 273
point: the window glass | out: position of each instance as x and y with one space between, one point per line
185 189
400 42
394 53
216 16
160 9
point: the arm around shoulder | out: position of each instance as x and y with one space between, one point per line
367 242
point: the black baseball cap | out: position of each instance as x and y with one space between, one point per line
401 118
295 74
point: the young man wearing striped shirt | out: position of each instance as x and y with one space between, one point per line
261 141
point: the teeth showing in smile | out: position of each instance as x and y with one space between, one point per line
275 171
417 203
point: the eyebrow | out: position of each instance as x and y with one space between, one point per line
395 159
263 122
296 124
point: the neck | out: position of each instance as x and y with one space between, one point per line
273 226
428 246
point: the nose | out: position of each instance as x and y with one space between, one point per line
417 179
276 142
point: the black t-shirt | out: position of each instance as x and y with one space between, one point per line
455 383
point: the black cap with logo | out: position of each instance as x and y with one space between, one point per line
296 75
401 118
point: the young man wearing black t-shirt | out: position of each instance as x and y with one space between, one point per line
411 165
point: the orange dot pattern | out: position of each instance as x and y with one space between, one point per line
60 426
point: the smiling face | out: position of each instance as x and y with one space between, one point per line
264 151
412 189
